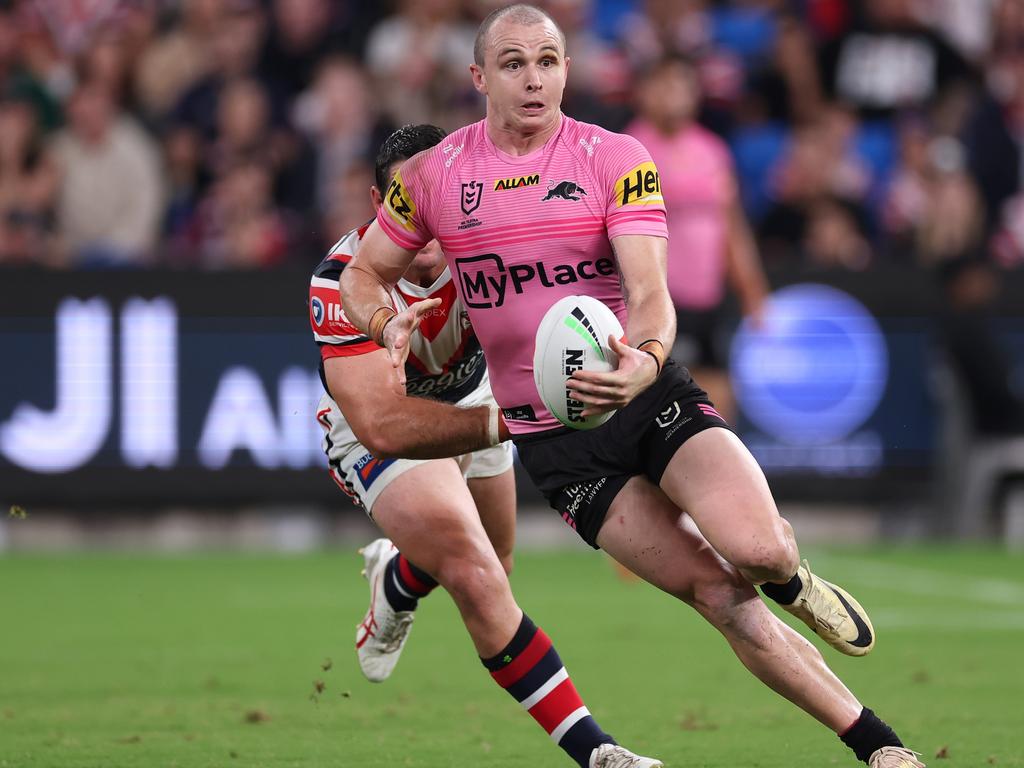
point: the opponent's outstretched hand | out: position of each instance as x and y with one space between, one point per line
400 328
603 392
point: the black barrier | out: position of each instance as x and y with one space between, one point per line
162 387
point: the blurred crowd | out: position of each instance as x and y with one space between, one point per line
241 133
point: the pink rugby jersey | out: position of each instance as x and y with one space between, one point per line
520 233
445 360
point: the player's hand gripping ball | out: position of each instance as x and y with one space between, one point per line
573 336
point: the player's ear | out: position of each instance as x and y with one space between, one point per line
376 197
479 79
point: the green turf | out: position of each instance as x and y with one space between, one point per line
112 661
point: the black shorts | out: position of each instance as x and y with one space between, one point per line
581 471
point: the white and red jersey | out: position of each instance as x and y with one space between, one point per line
522 232
445 360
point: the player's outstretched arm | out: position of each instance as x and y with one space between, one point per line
393 425
652 327
366 285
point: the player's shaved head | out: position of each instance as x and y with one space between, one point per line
520 13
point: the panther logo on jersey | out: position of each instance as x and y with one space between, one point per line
566 190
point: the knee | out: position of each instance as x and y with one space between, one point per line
507 561
771 558
473 580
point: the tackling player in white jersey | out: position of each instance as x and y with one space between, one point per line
454 518
445 363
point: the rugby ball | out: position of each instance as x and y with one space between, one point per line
573 336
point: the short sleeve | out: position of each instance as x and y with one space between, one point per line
635 205
332 331
403 213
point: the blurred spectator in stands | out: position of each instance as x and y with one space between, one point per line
235 52
349 203
951 224
966 25
301 34
787 88
111 198
833 236
710 244
31 62
339 115
659 27
27 185
244 129
418 58
888 61
995 131
107 63
185 181
906 196
599 88
819 163
237 225
180 57
972 287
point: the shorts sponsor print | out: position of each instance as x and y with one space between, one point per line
581 472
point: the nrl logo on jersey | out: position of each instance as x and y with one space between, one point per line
472 196
515 182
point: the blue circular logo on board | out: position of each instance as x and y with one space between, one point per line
815 371
318 310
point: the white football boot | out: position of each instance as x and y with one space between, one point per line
383 631
614 756
894 757
833 614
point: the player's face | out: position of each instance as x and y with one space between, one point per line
523 76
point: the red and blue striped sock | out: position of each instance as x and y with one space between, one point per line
405 584
530 669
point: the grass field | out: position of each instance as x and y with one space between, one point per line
213 660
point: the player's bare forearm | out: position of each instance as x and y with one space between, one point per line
366 282
425 429
642 262
392 424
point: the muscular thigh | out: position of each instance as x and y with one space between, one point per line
652 537
713 477
430 515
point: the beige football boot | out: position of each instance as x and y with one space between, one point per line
833 614
894 757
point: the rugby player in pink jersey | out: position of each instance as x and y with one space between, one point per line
529 206
455 519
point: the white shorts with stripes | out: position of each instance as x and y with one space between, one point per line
364 477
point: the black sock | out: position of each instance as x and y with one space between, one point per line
405 584
784 594
868 735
